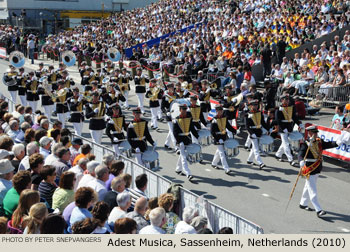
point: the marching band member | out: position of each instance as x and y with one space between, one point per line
181 92
230 106
41 71
271 123
204 98
254 122
52 78
197 116
249 97
10 77
138 135
114 94
115 126
168 98
154 94
183 125
95 111
310 158
88 77
32 91
125 86
21 84
68 82
109 68
219 125
46 98
286 119
61 96
140 88
75 104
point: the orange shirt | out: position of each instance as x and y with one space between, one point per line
228 54
77 158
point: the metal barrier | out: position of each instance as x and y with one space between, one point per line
331 96
218 217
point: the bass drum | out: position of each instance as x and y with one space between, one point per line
175 107
150 158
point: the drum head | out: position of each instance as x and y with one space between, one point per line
231 143
149 156
124 145
266 139
193 148
204 133
295 136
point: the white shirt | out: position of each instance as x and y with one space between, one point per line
100 187
44 152
116 214
51 159
152 230
85 181
183 228
79 173
24 164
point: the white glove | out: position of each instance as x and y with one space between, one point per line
221 141
301 126
115 139
302 163
285 131
168 114
117 93
253 136
80 98
96 110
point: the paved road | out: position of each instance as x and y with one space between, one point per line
260 196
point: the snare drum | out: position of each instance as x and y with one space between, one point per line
231 148
150 158
266 143
125 149
194 154
294 140
204 137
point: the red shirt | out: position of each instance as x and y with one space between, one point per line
300 109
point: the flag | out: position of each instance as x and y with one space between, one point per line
212 111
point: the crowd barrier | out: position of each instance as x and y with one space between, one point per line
329 97
218 217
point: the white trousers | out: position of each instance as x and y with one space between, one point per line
78 128
116 150
62 118
14 99
48 111
220 156
182 164
205 114
23 99
229 133
159 112
138 157
126 95
254 152
170 137
140 100
284 148
248 142
310 193
194 139
154 113
33 104
96 135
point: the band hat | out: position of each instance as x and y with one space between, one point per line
5 153
183 106
45 141
77 141
6 166
136 110
312 128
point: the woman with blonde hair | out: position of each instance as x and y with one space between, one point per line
26 200
166 201
36 215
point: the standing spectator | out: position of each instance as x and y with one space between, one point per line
47 186
158 219
337 120
266 57
31 47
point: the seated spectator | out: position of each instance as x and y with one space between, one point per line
62 164
184 227
3 225
32 148
79 170
74 149
116 168
100 214
158 219
53 157
45 146
36 162
19 153
26 200
6 142
152 204
141 186
139 213
53 224
35 217
124 202
98 184
166 201
47 186
85 150
85 197
125 226
118 186
21 181
6 175
199 223
225 230
64 194
56 135
14 129
205 231
89 174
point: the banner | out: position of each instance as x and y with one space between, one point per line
3 53
342 152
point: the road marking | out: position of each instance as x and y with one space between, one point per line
207 169
265 195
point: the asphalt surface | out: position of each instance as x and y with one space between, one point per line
260 196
